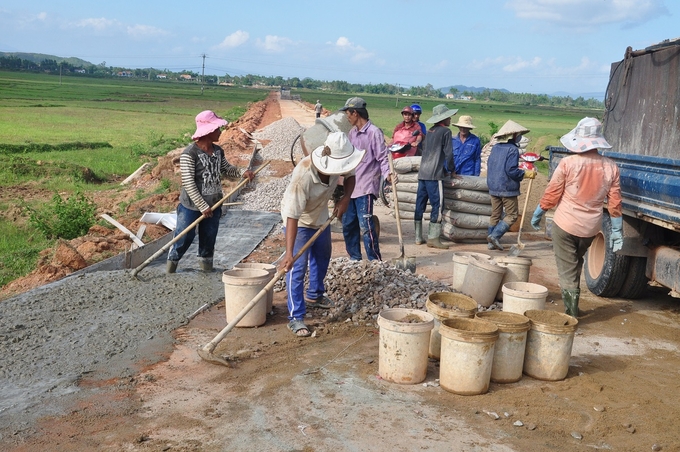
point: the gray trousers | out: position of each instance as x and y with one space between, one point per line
498 205
569 251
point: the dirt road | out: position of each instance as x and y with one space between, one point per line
323 393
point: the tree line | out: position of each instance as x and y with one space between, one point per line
14 63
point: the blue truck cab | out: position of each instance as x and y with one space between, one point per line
642 123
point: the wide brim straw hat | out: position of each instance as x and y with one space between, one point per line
207 122
465 121
511 128
440 113
585 136
337 156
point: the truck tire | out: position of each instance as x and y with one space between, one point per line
636 281
605 271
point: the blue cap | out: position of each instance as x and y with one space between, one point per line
416 108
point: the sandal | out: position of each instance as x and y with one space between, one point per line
323 302
299 328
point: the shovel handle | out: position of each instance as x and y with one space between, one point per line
193 225
396 203
524 209
210 346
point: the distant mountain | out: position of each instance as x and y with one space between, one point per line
38 57
472 89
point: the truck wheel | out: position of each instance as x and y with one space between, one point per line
605 271
636 281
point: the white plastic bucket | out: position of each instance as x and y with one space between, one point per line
241 285
518 269
519 297
454 305
269 268
482 280
467 355
404 342
508 355
460 264
549 344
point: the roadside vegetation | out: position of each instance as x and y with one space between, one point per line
75 136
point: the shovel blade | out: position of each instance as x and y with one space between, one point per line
515 250
405 263
212 358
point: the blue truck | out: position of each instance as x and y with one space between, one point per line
642 123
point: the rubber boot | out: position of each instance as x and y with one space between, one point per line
171 266
494 238
419 232
570 298
489 245
433 234
205 264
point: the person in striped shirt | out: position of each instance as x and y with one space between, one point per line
201 165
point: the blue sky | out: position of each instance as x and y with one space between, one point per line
536 46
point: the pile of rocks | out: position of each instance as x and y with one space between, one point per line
263 196
281 136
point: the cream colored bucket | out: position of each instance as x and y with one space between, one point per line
454 305
404 342
523 296
241 285
460 264
482 280
508 355
518 269
269 268
549 344
467 355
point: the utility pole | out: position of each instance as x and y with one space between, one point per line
396 104
203 74
59 74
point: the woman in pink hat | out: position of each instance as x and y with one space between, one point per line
202 164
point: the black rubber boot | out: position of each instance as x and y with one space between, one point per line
570 299
495 236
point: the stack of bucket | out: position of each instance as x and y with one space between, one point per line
241 284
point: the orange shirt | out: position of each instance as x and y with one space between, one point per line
579 187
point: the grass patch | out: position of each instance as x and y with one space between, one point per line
19 250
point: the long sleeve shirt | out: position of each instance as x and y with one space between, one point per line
437 152
579 187
502 173
374 164
467 156
201 172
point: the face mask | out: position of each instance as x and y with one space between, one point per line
518 139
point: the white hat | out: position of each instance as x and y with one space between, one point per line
510 128
586 136
337 156
465 121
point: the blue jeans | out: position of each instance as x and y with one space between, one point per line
317 258
207 233
357 223
428 190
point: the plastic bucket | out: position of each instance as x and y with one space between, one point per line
447 305
518 269
404 341
508 355
482 280
549 343
523 296
269 268
460 264
241 285
467 355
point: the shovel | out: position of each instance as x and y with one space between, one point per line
206 352
515 250
401 262
193 225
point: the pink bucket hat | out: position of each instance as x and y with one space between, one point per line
206 122
586 136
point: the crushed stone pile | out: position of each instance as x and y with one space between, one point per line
263 196
282 135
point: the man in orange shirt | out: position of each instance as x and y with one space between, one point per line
579 188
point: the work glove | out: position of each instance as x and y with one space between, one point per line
530 174
616 236
536 217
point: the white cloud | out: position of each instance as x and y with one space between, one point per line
143 31
235 39
274 43
521 63
98 24
584 14
357 52
41 16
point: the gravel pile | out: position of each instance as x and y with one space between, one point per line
282 134
263 196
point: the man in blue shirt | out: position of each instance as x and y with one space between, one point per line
467 149
417 111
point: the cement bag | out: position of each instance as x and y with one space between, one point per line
406 196
467 207
456 234
479 197
405 165
408 178
410 216
467 182
466 220
411 207
406 187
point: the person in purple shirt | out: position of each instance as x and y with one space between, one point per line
358 223
467 149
